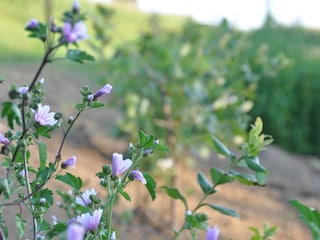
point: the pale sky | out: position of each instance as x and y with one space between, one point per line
244 14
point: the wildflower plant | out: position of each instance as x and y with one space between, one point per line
89 213
29 119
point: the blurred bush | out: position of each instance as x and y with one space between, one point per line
186 84
290 103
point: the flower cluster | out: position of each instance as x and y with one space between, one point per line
72 31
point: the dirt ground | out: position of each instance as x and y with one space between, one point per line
291 176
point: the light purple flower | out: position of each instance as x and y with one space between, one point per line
85 200
113 236
137 175
54 219
23 90
119 165
33 23
71 162
75 232
4 140
106 89
43 116
213 233
75 32
90 222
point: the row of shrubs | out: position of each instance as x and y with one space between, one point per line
290 102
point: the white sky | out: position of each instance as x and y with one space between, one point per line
244 14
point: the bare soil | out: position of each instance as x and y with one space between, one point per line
291 176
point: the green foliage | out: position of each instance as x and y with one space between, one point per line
267 232
247 161
72 181
292 115
78 56
310 216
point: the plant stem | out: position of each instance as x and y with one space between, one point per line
112 196
58 156
34 221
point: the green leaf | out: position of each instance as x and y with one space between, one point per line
175 194
221 148
57 229
12 112
198 220
42 154
151 185
20 224
96 104
72 181
254 164
310 216
125 195
205 185
78 56
5 188
262 178
247 179
223 210
219 177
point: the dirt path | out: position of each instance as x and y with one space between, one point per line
292 176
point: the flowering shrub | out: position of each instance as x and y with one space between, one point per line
89 216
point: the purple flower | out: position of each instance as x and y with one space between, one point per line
75 232
43 116
54 219
23 90
213 233
119 165
71 162
103 91
90 222
4 140
33 23
85 200
137 175
75 32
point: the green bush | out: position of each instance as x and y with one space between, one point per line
290 103
185 84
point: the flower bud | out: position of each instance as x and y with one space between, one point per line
32 24
106 170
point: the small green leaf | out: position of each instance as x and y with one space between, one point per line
198 220
12 112
262 178
78 56
57 229
219 177
175 194
254 164
125 195
72 181
20 224
310 216
223 210
151 185
42 154
247 179
221 148
5 188
205 185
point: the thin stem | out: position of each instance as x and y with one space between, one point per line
34 221
58 156
112 197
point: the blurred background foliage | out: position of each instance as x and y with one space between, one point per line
162 62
